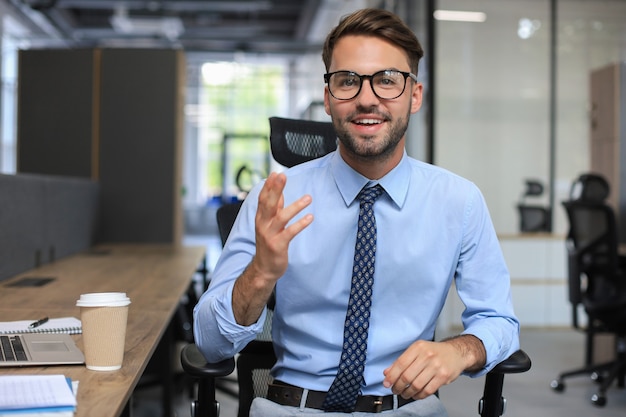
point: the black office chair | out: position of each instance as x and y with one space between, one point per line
256 359
226 216
596 280
533 217
294 141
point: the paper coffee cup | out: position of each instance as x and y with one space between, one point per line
104 317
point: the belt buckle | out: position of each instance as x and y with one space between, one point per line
378 404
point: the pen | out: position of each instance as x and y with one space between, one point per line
38 323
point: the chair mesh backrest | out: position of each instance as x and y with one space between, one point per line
295 141
534 218
590 187
261 379
592 241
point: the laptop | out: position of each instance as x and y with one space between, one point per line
39 349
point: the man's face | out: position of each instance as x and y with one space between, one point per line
370 128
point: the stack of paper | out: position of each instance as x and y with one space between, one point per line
37 395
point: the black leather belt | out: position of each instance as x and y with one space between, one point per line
287 394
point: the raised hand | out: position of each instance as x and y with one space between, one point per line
273 236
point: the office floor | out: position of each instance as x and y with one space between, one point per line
528 394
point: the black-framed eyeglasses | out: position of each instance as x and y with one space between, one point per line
386 84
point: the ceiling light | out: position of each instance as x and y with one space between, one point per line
527 28
459 16
170 27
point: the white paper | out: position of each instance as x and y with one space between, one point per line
35 391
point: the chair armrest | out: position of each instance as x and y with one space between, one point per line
195 365
517 363
492 404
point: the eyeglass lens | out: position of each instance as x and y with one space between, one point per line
386 84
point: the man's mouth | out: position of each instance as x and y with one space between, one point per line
368 122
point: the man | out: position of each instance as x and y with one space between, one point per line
420 227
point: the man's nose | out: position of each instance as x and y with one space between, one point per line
367 95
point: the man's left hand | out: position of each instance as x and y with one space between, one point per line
426 366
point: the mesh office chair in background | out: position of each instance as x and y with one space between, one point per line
533 217
294 142
596 280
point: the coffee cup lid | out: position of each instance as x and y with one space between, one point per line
103 299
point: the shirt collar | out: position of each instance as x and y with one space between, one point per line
349 182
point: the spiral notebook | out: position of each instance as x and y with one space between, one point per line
69 325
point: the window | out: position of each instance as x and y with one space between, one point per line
229 110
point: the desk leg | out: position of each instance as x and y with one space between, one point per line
167 373
204 272
128 409
160 372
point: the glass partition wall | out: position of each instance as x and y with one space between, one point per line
512 97
493 99
591 36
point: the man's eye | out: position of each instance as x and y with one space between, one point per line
387 81
350 82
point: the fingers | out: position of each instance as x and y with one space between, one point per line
410 379
270 197
420 371
271 211
272 233
423 385
299 225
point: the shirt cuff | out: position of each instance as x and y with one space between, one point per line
230 329
496 348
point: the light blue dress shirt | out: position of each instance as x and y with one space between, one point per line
433 228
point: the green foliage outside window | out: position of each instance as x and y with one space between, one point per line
239 99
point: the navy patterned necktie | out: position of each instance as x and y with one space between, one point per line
345 389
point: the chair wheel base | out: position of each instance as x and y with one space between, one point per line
557 385
598 400
596 377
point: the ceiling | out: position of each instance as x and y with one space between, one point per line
264 26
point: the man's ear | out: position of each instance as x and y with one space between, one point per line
416 97
326 100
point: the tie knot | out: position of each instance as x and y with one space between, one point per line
370 194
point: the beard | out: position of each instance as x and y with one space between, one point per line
367 148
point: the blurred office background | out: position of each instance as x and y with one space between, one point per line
507 99
509 104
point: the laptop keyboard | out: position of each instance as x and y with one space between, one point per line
11 349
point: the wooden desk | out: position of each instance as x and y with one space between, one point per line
155 277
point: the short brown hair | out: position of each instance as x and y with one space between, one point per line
379 23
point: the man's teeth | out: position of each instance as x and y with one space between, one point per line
368 122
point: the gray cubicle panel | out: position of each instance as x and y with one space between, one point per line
55 114
140 145
114 116
43 218
21 223
70 216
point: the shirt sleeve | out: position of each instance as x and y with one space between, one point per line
217 334
483 285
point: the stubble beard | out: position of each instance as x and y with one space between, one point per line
367 148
